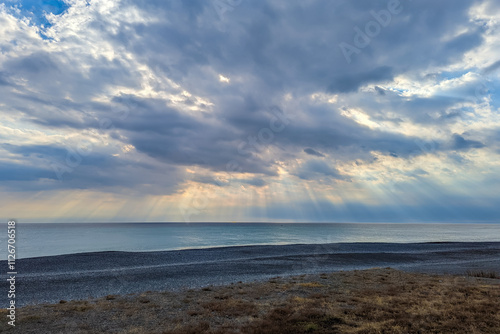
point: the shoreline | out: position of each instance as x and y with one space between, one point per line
228 247
84 275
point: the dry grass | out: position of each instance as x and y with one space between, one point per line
481 273
369 301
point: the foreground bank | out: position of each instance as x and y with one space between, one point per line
367 301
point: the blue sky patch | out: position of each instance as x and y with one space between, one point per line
37 10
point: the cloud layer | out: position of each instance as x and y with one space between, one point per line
235 110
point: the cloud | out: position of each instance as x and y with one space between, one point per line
460 143
352 81
14 172
211 180
492 68
141 81
315 169
55 167
380 90
256 182
310 151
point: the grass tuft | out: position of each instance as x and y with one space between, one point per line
481 273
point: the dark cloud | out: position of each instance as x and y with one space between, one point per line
256 182
352 81
316 169
417 172
3 79
379 90
460 143
36 150
210 180
464 42
16 172
310 151
492 68
84 167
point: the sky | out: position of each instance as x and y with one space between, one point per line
250 111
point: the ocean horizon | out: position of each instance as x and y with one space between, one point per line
50 239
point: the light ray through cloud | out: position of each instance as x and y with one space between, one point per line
168 111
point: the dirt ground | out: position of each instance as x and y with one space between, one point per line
365 301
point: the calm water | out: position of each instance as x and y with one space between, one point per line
54 239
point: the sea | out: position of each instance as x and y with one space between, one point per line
48 239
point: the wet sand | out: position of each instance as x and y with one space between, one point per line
80 276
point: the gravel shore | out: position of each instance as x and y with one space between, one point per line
80 276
